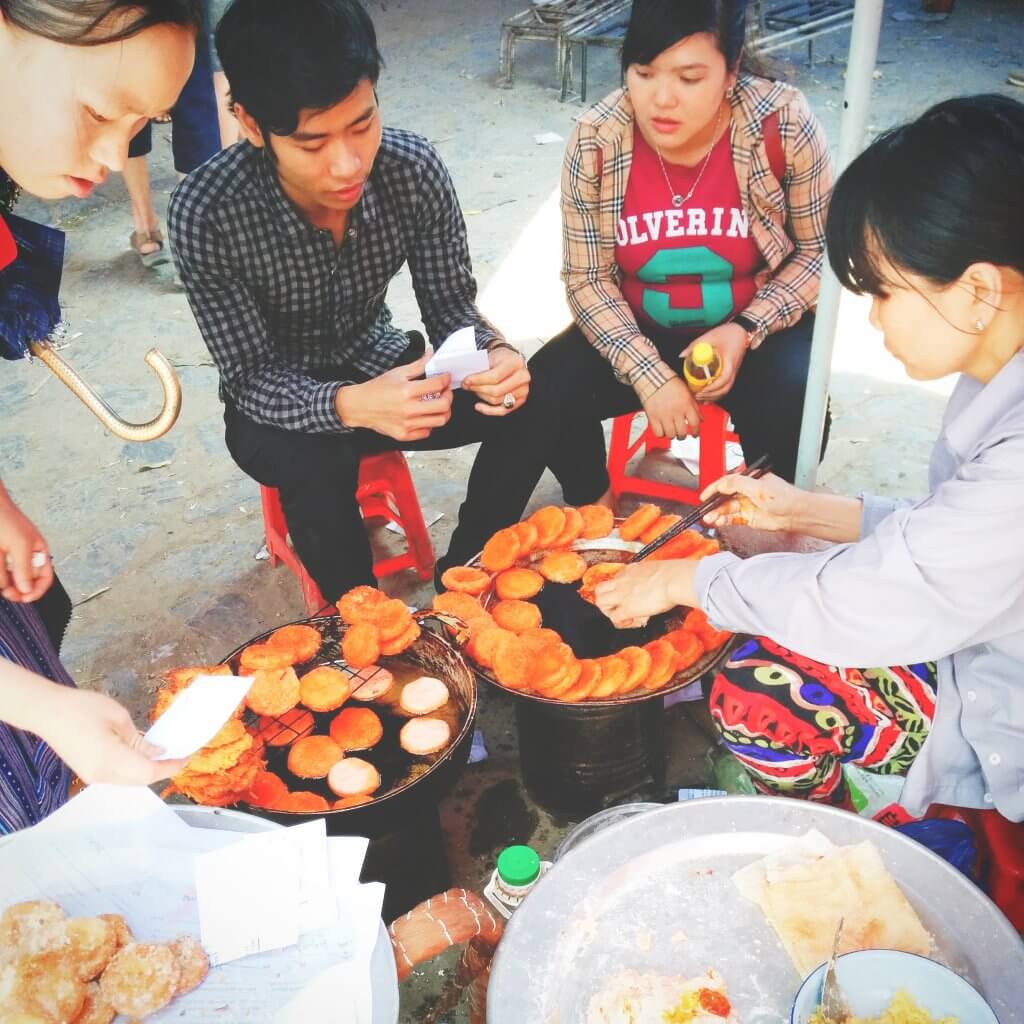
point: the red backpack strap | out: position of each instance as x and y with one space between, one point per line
773 145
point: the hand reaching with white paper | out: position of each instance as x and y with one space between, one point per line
397 403
93 734
508 376
96 737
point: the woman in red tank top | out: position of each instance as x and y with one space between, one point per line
693 205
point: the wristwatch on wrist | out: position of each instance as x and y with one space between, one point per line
747 323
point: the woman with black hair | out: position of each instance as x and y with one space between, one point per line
78 78
935 234
693 207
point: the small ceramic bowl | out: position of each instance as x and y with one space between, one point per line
871 978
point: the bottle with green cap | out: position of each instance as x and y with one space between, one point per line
701 366
519 870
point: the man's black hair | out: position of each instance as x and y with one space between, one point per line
285 56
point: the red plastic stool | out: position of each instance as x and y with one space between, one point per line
714 434
385 492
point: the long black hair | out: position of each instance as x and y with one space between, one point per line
285 56
84 22
657 25
933 197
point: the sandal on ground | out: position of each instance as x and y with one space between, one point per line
155 258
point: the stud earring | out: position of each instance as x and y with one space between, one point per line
979 325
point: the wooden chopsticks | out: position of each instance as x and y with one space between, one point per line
755 470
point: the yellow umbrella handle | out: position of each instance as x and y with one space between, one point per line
156 427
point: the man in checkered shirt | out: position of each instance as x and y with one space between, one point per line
287 243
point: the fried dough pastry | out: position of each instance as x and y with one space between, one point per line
402 643
90 944
260 657
598 521
462 606
351 801
303 802
639 662
518 584
122 933
267 789
589 678
141 979
301 641
313 757
31 927
550 522
634 525
516 615
274 691
501 551
663 664
95 1009
464 579
614 673
46 984
356 729
358 604
528 535
360 646
688 647
483 645
571 531
658 527
193 964
563 566
511 663
324 688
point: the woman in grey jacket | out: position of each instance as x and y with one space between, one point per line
929 221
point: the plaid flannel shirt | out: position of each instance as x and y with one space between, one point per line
787 220
288 316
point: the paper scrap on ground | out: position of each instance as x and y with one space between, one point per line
687 451
459 356
198 714
429 519
547 138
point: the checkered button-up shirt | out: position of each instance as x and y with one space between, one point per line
787 220
288 316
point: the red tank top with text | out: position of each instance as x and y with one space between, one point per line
688 268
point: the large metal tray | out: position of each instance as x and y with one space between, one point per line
655 892
613 549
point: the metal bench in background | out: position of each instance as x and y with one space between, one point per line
777 25
542 21
602 24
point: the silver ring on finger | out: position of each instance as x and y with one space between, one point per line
509 401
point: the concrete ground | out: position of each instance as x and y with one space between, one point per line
156 542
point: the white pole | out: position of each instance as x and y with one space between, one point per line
860 69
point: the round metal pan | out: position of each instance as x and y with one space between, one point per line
393 809
612 549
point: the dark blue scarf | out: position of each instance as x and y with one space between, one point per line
29 287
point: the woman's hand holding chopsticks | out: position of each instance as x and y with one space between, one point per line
765 503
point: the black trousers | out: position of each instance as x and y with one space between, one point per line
765 402
317 476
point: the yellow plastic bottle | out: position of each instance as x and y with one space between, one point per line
702 366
